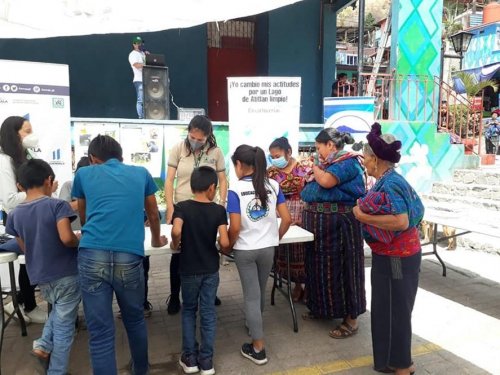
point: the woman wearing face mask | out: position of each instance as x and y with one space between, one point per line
289 173
335 260
198 149
16 139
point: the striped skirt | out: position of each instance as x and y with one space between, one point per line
296 250
334 263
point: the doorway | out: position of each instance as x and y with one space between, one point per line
231 53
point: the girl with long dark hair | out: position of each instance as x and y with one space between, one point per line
16 138
253 204
290 174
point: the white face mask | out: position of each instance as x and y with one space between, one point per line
30 141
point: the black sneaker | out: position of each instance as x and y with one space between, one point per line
217 302
173 304
206 366
148 309
248 351
189 363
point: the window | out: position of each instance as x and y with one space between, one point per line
352 60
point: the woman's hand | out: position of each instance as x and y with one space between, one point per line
358 214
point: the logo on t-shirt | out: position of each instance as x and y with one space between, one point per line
255 211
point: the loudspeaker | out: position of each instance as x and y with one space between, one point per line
156 92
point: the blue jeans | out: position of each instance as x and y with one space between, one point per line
202 288
57 336
102 273
139 90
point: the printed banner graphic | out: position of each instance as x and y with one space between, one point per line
262 109
354 115
40 93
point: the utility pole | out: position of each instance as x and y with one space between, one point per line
361 41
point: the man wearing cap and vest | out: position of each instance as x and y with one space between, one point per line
137 59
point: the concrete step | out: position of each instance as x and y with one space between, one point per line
467 190
477 176
473 202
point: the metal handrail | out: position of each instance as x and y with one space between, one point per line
454 113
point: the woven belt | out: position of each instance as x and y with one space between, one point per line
328 208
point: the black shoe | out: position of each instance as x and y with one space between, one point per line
189 363
206 366
217 302
173 304
248 351
148 309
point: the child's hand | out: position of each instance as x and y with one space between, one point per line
162 242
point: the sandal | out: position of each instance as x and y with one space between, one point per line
310 316
345 329
297 296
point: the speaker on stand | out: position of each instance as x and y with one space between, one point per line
156 92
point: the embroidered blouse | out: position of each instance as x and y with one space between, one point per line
291 183
393 195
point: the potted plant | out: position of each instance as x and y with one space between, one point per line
469 127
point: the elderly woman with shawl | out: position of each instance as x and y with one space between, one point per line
334 261
390 213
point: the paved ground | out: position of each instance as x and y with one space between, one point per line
456 328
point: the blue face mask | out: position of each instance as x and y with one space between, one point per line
280 162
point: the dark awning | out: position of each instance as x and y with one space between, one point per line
481 74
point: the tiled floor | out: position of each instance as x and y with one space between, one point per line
456 328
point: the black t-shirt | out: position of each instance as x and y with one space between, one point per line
201 221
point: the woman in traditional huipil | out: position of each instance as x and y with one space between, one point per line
390 213
335 260
290 174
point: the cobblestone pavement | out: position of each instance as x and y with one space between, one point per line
456 328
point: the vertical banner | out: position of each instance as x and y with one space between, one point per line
262 109
351 114
40 93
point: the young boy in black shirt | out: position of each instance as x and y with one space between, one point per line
196 223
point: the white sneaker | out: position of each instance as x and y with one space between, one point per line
37 315
9 309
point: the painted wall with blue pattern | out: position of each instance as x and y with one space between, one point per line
484 48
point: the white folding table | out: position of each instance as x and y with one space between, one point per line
295 234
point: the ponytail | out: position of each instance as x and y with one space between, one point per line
259 178
256 158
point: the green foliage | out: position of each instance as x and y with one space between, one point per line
472 86
463 121
370 22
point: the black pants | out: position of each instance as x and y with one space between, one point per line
394 288
26 296
491 147
175 277
145 265
27 291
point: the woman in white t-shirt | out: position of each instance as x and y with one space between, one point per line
16 138
198 149
253 204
